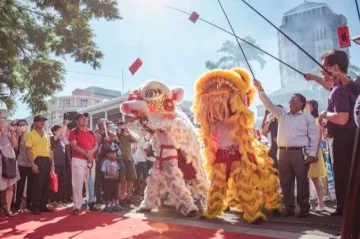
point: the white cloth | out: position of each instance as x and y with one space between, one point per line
139 155
297 130
80 174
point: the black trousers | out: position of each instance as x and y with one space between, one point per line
99 182
110 189
292 167
67 183
25 173
41 188
60 194
341 144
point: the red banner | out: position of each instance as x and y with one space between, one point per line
194 17
135 66
343 36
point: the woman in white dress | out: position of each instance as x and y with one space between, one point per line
8 142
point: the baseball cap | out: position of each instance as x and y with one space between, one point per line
38 118
121 123
79 115
109 148
103 120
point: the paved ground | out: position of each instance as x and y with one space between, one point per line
317 225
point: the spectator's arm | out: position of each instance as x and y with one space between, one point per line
76 148
73 144
28 145
266 128
270 106
14 140
313 136
340 118
96 146
311 77
52 158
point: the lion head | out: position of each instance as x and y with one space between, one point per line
155 100
219 94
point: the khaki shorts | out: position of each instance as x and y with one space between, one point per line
128 172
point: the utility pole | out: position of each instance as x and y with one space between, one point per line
122 80
123 91
357 8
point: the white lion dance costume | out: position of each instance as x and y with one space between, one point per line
240 171
176 148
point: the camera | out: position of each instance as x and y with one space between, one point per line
70 116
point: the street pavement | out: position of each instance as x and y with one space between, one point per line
317 225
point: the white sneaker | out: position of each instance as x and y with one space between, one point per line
320 209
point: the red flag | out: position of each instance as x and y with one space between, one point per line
194 17
344 36
135 66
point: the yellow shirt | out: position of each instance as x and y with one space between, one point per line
40 146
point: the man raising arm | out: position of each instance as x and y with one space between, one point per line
296 133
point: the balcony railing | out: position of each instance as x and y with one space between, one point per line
71 106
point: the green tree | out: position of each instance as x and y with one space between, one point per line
231 55
34 34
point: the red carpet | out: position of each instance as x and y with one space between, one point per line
105 226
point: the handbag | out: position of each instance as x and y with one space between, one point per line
54 184
8 167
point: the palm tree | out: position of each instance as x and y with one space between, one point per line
231 55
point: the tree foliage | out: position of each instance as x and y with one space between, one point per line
34 34
231 55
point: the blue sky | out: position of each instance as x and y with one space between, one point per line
174 50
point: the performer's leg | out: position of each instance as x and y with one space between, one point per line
216 203
153 190
232 201
178 191
196 188
246 192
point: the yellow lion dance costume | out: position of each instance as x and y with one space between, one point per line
240 171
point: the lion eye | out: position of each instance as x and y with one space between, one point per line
153 93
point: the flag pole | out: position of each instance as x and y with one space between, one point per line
237 40
122 80
230 33
284 34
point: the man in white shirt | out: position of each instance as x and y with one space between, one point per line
297 148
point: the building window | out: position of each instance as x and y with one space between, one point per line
66 103
323 11
84 102
321 34
324 48
319 48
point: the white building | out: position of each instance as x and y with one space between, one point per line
79 98
313 26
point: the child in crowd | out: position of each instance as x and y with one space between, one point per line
110 168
